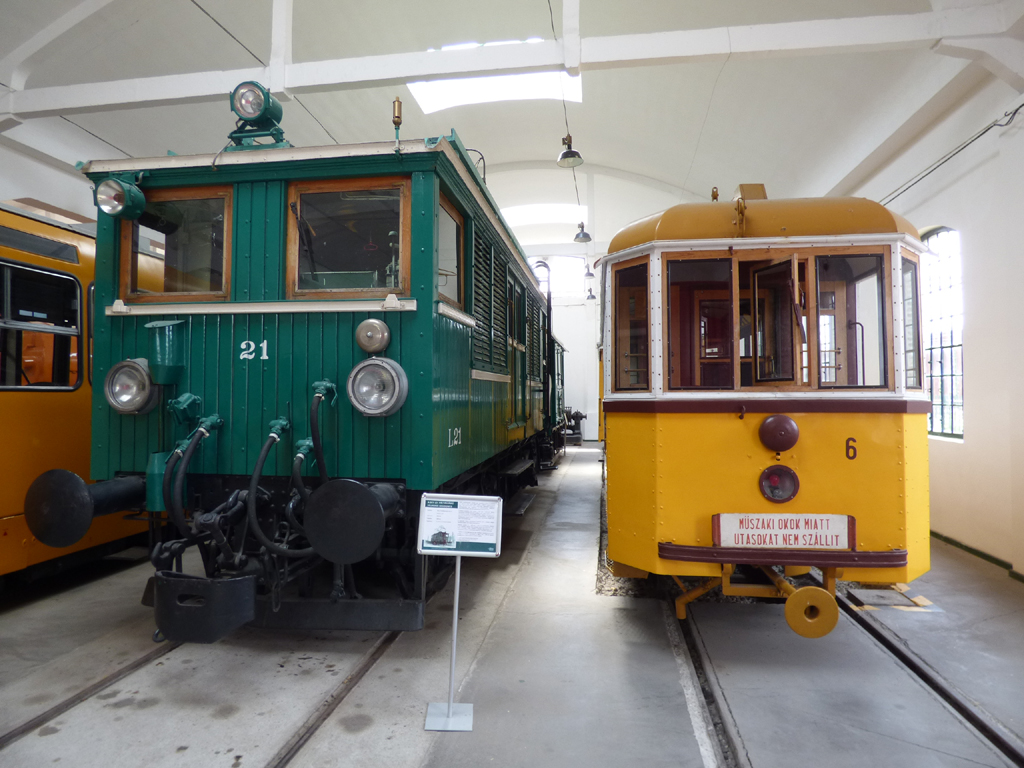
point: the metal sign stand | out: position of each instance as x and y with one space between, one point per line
453 525
450 716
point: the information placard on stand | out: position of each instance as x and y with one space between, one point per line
457 526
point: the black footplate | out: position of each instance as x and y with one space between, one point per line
195 609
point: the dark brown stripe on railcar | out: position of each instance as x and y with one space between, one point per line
768 406
896 558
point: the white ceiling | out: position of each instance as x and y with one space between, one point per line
810 97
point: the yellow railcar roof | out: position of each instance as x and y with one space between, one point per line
764 218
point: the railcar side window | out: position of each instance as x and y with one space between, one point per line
178 247
449 254
349 237
39 328
851 321
700 341
632 329
911 328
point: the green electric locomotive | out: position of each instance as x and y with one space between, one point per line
291 346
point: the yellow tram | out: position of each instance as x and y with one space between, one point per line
46 274
763 399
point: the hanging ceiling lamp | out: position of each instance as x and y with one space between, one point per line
590 295
569 158
582 237
588 274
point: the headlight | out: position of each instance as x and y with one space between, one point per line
254 104
248 101
373 336
377 386
129 388
120 199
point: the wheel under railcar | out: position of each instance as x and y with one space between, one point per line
763 400
295 344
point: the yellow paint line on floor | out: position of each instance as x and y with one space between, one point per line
912 608
901 587
922 601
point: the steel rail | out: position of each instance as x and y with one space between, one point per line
1008 743
89 691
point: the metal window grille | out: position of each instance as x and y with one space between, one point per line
941 278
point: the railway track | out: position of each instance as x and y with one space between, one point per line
168 653
726 720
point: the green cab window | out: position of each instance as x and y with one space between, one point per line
449 254
179 248
348 237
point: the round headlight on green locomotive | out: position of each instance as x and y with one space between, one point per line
377 386
130 389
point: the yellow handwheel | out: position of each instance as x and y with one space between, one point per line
811 612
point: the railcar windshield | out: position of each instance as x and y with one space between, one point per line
700 343
179 246
346 236
766 319
851 321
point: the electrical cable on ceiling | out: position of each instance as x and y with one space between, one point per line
263 64
565 111
997 123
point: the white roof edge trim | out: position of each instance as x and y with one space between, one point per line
657 247
251 156
817 395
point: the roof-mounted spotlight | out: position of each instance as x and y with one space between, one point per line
120 199
582 237
259 116
569 158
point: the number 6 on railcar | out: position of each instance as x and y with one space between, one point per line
763 399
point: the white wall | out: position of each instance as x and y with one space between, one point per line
977 484
575 324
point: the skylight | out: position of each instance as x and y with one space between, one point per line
435 95
544 213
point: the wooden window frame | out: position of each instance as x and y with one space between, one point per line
225 192
888 335
298 188
808 257
615 269
667 258
446 205
915 259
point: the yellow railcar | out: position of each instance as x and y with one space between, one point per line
763 399
46 274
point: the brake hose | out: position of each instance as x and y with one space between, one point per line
254 522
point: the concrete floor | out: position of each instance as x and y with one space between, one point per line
973 633
839 701
557 675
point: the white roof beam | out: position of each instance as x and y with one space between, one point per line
398 68
126 94
1002 56
794 38
12 70
918 30
280 47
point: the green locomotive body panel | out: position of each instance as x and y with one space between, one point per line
450 421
